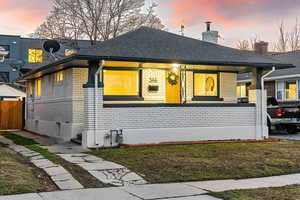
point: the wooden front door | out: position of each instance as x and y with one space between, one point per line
11 115
173 89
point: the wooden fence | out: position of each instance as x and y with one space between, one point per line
11 115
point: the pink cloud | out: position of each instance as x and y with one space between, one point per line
228 13
26 14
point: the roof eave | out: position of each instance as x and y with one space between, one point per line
151 60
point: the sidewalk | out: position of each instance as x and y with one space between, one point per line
173 191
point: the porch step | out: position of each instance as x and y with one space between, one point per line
78 139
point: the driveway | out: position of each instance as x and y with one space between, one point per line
285 136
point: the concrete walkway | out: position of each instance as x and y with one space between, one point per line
105 171
150 192
174 191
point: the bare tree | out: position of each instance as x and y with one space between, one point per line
243 45
294 37
96 20
248 44
283 40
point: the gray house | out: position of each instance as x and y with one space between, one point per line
284 84
28 52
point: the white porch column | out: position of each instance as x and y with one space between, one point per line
258 97
92 135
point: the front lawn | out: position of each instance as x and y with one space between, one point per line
17 176
280 193
162 164
81 175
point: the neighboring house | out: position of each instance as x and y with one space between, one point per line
154 87
283 84
8 92
28 51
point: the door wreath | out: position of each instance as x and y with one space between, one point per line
172 78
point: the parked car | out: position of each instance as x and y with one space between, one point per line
283 117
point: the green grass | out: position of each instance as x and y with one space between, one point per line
44 152
19 140
16 177
180 163
281 193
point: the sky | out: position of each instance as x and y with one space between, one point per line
234 19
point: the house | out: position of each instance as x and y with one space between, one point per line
8 92
29 52
283 84
148 86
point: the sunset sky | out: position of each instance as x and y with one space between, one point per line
234 19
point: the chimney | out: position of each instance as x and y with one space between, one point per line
209 35
261 47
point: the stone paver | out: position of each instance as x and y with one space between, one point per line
160 191
33 196
105 171
61 177
90 194
225 185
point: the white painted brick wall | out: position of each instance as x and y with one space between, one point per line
163 124
60 103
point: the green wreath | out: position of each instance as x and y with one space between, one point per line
172 78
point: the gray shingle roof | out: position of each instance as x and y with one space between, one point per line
292 57
289 57
152 44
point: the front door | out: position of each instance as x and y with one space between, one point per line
173 86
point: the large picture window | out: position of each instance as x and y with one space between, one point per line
206 86
122 84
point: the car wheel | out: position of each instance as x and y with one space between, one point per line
291 129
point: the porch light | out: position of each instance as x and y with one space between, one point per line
175 67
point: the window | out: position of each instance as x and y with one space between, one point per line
59 77
280 91
29 89
206 86
35 55
5 48
69 52
4 77
38 87
122 84
291 90
241 91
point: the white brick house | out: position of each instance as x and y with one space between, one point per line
154 87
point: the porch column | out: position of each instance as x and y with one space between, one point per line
255 96
91 135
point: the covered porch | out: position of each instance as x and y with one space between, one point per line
151 103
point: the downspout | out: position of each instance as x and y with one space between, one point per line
263 98
96 99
